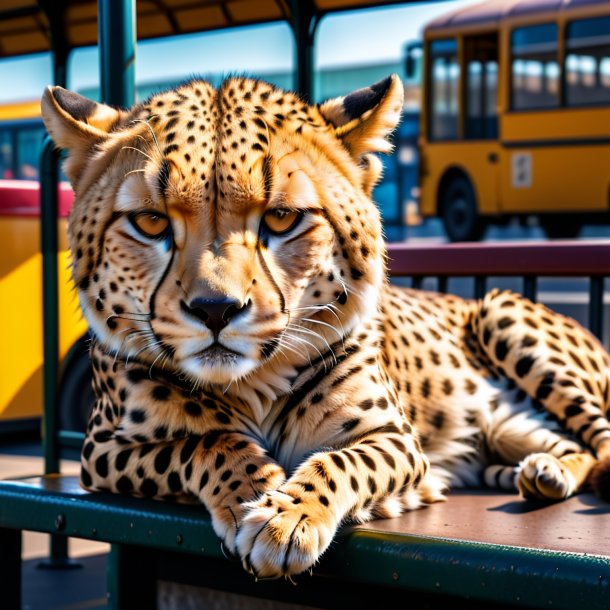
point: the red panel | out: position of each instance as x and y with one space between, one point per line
556 258
22 198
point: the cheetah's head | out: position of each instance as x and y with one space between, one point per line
217 231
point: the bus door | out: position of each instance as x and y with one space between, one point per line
480 151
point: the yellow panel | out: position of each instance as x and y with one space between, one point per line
21 315
200 19
246 10
25 110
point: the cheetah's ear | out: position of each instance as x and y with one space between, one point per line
365 118
75 123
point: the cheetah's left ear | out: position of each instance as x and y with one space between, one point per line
365 118
76 123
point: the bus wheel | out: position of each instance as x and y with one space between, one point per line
76 397
561 226
459 212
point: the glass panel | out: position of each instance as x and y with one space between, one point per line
535 67
444 90
481 56
587 64
6 155
29 143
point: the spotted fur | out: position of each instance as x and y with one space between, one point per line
274 375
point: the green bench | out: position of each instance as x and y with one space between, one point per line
476 549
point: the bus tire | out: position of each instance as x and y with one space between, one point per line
561 226
76 397
459 211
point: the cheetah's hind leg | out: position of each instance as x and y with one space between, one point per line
562 378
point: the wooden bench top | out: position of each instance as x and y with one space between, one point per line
481 545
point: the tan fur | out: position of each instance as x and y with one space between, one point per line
321 394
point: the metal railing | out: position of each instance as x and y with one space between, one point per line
526 260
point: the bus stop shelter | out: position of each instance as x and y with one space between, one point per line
35 26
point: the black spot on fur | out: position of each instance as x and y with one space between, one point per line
163 458
501 350
438 420
524 366
174 482
101 465
161 392
192 408
137 375
137 416
85 477
573 410
124 485
122 458
350 424
149 488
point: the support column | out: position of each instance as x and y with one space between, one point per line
49 210
131 577
117 43
304 21
10 568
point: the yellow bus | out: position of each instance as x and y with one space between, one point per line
21 356
516 115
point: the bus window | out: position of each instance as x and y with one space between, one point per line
481 56
588 62
6 155
444 90
29 143
535 67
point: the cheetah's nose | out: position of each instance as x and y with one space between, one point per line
215 313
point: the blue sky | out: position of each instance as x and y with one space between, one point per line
371 36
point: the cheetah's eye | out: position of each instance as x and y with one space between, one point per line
280 221
150 224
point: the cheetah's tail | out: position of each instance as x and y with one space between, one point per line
600 479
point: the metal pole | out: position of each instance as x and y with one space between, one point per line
304 21
117 42
49 209
596 306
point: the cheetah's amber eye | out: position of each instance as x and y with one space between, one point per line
280 221
150 224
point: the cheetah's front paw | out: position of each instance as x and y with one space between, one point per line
226 521
543 477
282 535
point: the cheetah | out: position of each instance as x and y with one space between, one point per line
249 352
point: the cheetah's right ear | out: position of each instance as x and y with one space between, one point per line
364 119
75 123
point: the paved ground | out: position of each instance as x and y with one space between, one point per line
43 589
